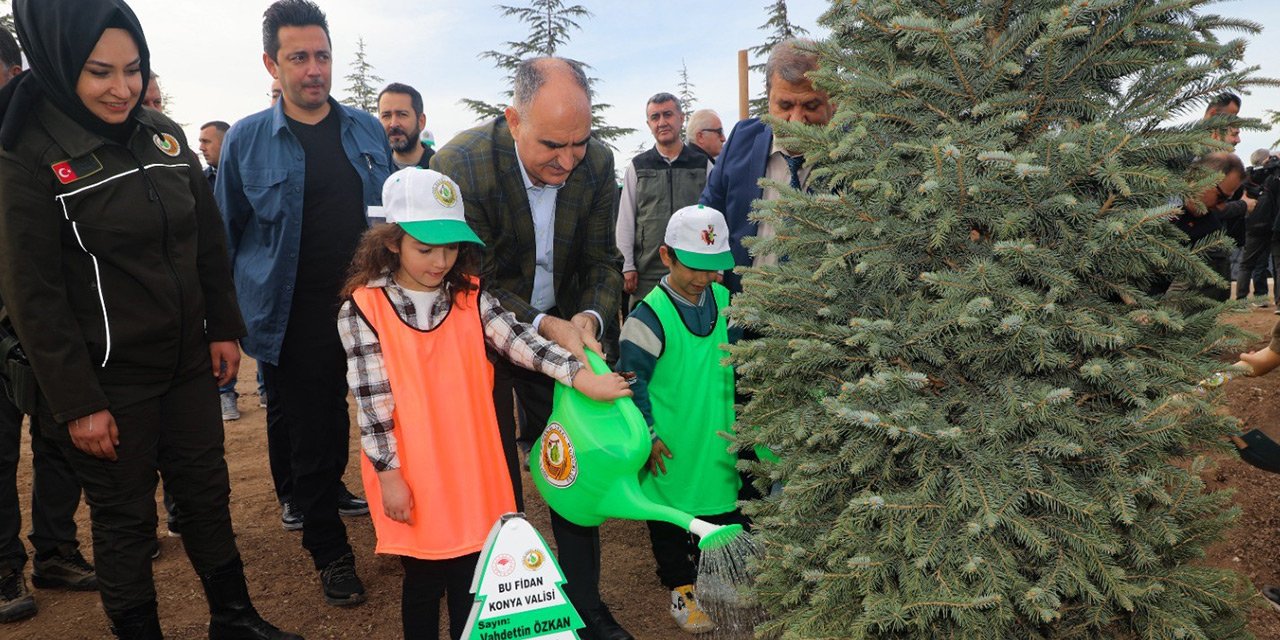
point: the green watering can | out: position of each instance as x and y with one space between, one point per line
589 462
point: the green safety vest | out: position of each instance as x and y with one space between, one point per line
691 395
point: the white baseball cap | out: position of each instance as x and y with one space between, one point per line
700 237
428 205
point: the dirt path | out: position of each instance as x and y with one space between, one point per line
287 591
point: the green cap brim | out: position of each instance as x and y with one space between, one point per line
705 261
441 232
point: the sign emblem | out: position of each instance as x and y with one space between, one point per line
167 144
533 559
558 461
445 194
709 235
504 565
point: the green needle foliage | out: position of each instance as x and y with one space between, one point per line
982 396
550 24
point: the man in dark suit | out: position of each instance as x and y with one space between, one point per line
752 152
541 193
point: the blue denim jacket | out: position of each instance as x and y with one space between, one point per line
259 188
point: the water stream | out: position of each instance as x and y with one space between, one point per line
725 577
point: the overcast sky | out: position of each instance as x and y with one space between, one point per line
210 54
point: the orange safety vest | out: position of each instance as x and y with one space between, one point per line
446 431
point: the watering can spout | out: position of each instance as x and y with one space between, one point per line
713 536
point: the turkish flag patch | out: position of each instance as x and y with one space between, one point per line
69 171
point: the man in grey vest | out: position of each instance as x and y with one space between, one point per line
657 182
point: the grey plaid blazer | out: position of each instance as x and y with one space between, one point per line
588 267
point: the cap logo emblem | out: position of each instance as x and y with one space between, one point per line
445 193
709 235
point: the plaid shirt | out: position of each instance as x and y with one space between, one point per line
367 376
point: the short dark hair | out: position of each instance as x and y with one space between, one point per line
663 98
10 53
1221 101
216 124
290 13
1222 162
415 98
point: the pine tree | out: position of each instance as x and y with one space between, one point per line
981 396
365 85
687 99
550 23
780 29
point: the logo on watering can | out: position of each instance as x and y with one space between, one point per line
558 462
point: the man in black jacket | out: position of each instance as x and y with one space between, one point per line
1204 216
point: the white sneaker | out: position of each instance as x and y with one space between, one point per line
687 612
229 409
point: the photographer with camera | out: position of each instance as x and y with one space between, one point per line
1261 185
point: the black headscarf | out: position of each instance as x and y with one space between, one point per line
57 37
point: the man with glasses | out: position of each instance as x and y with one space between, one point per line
656 184
1203 216
705 133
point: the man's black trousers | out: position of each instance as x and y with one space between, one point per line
55 493
309 389
579 547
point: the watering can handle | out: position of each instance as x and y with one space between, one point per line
596 363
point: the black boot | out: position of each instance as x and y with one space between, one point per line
231 614
139 623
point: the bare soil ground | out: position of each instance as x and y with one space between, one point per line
287 591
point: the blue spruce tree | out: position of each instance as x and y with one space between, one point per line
979 388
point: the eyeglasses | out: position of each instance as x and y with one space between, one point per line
1222 196
718 131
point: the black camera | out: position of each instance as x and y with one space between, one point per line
1255 183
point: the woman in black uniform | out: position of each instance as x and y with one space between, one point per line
114 270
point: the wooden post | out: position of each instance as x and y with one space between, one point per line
744 100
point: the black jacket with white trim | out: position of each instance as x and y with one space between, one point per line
113 260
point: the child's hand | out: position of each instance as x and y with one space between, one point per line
656 466
1261 362
397 499
604 388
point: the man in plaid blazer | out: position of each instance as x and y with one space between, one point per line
541 193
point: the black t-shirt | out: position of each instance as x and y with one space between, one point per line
333 215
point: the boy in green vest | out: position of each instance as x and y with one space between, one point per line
674 343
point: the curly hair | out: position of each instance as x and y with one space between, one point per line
373 259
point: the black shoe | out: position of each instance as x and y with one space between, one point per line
64 571
290 517
16 601
349 504
231 613
342 587
602 626
139 623
1272 596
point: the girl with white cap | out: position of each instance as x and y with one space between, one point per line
415 324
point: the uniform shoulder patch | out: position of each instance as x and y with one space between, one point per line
167 144
74 169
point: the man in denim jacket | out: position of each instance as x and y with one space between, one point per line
294 185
